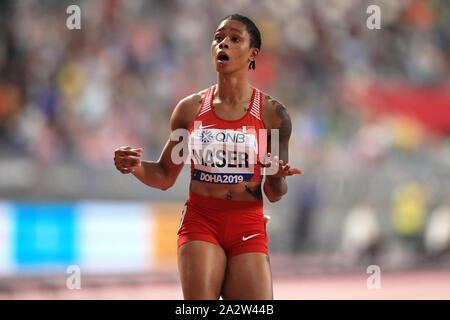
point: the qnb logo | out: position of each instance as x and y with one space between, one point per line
206 136
374 281
231 136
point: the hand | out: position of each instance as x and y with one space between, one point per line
127 159
283 169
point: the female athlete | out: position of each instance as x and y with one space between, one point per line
222 249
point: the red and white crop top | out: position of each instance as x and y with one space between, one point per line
227 151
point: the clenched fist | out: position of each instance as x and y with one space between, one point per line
127 159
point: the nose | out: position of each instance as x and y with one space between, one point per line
224 44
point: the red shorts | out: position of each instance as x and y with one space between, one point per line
236 226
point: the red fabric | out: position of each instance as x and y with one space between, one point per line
226 223
429 105
252 121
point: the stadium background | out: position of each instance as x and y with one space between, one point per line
371 130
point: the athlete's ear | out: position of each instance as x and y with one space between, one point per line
253 53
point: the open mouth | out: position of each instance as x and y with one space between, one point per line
222 57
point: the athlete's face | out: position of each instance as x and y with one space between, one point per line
231 47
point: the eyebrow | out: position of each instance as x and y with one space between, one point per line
231 29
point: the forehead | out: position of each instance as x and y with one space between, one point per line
232 25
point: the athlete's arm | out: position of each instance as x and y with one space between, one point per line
275 185
160 174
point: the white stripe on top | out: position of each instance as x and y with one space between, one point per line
207 102
256 105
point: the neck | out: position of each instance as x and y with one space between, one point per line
233 88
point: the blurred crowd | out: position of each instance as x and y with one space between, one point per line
79 94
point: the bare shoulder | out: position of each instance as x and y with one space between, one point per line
186 109
275 114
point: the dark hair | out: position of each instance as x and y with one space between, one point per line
252 29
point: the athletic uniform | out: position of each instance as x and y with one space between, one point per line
226 152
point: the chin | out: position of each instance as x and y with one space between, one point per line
222 70
225 69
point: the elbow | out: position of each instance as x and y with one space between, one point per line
166 178
274 199
166 186
276 194
168 183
